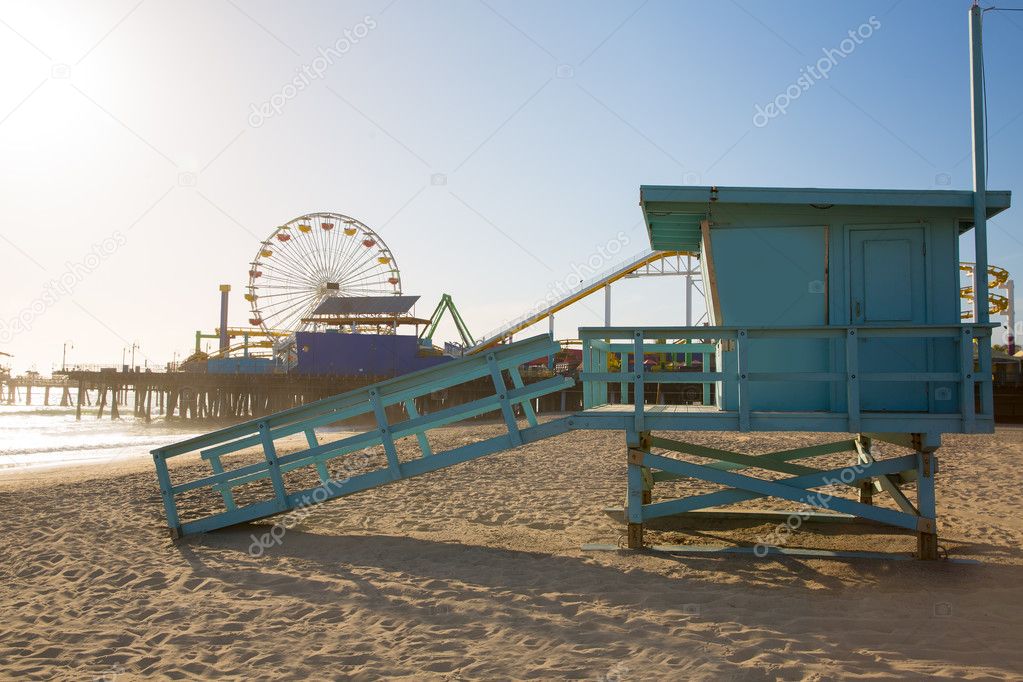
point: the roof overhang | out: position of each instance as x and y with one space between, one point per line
365 305
673 213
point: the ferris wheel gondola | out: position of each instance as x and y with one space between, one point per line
307 260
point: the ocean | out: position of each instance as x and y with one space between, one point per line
33 437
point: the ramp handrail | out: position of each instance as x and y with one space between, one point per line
373 401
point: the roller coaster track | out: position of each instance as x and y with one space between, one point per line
997 277
584 289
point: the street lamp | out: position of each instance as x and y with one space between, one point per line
134 345
63 357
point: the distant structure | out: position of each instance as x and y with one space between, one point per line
360 337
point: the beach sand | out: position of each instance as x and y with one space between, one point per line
476 572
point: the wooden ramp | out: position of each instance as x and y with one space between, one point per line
388 412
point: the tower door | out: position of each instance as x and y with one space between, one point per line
888 288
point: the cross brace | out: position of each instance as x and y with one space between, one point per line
798 487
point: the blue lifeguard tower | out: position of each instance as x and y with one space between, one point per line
831 311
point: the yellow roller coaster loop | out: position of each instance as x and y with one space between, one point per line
240 347
997 277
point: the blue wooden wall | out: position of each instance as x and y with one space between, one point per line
782 266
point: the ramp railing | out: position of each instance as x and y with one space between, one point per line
250 479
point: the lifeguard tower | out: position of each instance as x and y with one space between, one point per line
832 311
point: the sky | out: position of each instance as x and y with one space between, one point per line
148 147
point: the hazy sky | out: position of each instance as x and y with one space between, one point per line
494 145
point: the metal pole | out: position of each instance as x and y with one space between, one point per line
607 305
979 165
689 291
980 274
1010 315
224 341
550 358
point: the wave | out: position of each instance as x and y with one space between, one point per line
68 447
22 411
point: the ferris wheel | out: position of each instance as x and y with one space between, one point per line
312 258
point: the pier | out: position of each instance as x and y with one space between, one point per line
199 396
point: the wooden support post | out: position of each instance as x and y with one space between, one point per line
866 486
393 465
321 466
424 443
225 489
966 382
623 385
927 534
705 359
502 394
163 476
867 492
889 484
274 466
46 396
852 382
638 489
78 405
639 385
742 361
526 407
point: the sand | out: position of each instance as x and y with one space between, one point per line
476 572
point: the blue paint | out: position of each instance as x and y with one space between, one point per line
240 366
361 354
829 257
216 447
